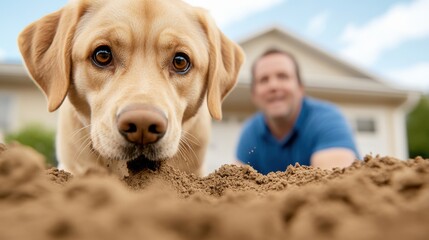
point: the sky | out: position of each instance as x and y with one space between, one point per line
387 38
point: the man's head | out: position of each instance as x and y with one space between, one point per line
277 89
272 51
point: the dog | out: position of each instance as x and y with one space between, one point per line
134 80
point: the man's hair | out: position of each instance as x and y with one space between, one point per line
276 51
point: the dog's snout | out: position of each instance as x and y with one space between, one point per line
142 124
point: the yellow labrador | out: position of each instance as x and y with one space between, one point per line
137 80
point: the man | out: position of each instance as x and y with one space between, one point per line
291 127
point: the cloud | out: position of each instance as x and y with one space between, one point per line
317 24
401 23
227 11
415 76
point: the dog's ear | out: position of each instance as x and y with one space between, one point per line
46 49
225 61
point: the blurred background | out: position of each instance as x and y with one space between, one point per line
371 58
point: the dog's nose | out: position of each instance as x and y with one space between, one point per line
142 124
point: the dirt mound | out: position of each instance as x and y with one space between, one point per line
378 198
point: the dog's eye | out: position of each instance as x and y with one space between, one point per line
102 56
181 63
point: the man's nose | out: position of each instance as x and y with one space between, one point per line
273 83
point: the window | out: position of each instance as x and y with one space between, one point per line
366 125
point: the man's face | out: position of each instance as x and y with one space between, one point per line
276 90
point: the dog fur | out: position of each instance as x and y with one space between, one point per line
144 38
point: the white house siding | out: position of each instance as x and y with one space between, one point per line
27 106
7 110
221 149
374 142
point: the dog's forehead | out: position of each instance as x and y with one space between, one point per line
139 18
144 12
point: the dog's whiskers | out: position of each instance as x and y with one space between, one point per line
107 145
82 138
187 140
191 138
79 130
85 144
186 148
183 156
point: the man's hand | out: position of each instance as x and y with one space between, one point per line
333 157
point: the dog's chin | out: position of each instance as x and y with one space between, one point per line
142 163
142 158
136 158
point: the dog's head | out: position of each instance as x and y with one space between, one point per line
160 59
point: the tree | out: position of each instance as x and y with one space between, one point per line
39 138
418 129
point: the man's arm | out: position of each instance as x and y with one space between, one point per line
237 162
333 157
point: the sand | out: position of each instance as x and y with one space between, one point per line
378 198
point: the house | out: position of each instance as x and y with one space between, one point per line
375 110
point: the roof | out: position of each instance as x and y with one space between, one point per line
310 46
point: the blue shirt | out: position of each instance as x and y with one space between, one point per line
320 125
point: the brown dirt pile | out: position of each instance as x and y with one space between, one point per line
378 198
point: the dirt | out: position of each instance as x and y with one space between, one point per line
377 198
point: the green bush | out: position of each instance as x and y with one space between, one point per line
37 137
418 129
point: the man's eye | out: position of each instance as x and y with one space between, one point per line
282 76
263 80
